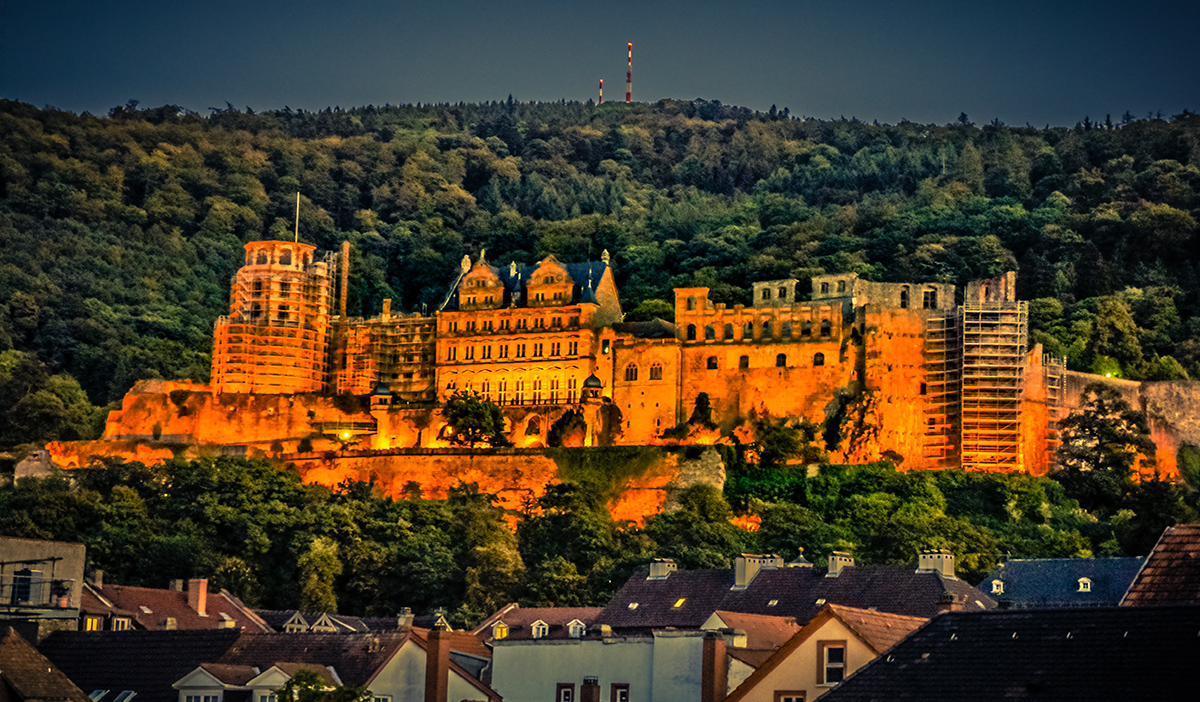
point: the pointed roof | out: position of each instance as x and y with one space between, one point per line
586 276
1171 573
152 606
1054 582
31 675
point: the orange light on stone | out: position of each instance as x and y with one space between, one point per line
749 522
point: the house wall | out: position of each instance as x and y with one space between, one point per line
799 671
69 568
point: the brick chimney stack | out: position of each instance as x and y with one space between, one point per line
437 666
714 677
197 594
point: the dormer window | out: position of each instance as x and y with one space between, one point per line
576 629
500 631
1085 585
997 587
540 629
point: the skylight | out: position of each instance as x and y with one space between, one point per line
633 605
679 602
772 603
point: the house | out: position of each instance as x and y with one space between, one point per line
107 606
753 639
1171 573
40 584
1142 653
27 676
515 622
764 584
294 621
1061 582
837 641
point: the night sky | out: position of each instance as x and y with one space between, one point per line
1037 62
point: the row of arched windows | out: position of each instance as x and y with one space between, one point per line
781 361
631 371
806 329
285 258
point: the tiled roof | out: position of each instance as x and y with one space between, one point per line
231 674
793 592
1060 654
1054 582
152 606
1171 574
30 675
355 657
763 632
147 662
324 672
881 630
586 276
520 621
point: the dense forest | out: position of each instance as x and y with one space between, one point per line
118 234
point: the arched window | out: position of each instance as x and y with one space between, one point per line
766 294
631 372
262 258
766 330
743 362
728 332
785 330
710 334
903 298
656 372
712 362
929 299
748 331
826 327
691 332
841 286
285 258
781 360
806 329
819 359
691 303
997 587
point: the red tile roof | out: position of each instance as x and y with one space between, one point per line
152 606
762 631
30 675
520 621
1171 573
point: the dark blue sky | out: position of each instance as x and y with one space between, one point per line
1019 61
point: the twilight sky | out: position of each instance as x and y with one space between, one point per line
1020 61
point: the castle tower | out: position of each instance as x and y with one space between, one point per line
276 336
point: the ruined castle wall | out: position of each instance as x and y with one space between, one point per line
648 404
1036 449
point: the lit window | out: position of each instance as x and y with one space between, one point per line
997 587
92 623
120 624
1085 585
679 602
833 661
500 630
633 605
772 603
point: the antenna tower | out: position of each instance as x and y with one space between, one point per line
629 76
601 92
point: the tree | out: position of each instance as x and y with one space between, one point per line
473 419
307 686
1102 443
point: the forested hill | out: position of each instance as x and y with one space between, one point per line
118 234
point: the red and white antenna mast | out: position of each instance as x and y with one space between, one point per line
601 92
629 76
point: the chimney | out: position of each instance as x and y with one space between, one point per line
98 578
735 637
660 568
176 585
387 309
437 666
714 678
405 618
747 565
197 594
590 690
948 602
939 561
837 561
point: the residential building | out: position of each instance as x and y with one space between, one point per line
513 622
1171 573
119 607
28 676
1060 582
40 585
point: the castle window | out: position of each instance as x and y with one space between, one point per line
519 395
471 300
710 334
903 298
471 325
486 352
841 286
503 324
451 353
556 348
691 303
630 372
783 293
258 287
806 329
502 391
521 323
655 372
520 351
285 287
285 258
781 360
553 399
548 280
766 330
728 332
818 359
786 330
766 294
572 348
691 332
748 331
539 297
503 351
537 349
556 321
469 353
573 320
486 389
539 323
537 400
824 288
558 296
262 259
744 362
826 327
929 299
923 388
712 362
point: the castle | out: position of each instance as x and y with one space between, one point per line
923 373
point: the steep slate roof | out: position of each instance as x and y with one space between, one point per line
1054 582
1060 654
147 662
1171 574
797 592
520 621
581 273
174 603
30 675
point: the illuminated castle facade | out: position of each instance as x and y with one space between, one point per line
923 372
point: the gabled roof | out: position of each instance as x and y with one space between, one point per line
147 662
793 592
878 630
586 276
1171 573
1061 654
356 657
277 619
152 606
1054 582
520 621
762 631
30 675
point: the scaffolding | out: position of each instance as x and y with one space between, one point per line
395 349
993 338
1055 370
941 389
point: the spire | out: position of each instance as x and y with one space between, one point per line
604 256
466 264
512 269
482 255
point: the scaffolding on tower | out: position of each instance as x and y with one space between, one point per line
993 365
